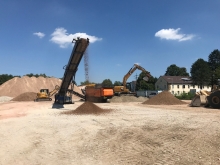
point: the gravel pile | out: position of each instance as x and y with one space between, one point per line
119 99
87 108
27 96
17 85
164 98
5 99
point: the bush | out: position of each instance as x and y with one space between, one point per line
185 96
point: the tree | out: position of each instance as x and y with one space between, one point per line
86 82
214 64
117 83
174 70
6 77
200 72
36 75
145 85
107 83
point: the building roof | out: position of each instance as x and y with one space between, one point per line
177 79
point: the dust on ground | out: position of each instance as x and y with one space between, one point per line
120 99
133 133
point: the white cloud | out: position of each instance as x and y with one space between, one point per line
39 34
63 39
173 34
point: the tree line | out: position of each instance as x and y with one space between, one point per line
6 77
202 73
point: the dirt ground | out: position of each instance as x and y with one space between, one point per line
132 133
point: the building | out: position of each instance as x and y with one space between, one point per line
177 84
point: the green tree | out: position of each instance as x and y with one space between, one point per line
174 70
117 83
37 75
145 85
6 77
86 83
214 64
107 83
200 72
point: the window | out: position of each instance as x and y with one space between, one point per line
173 92
183 86
178 86
178 92
172 86
188 86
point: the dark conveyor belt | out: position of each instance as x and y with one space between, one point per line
71 68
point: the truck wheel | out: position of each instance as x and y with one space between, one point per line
214 100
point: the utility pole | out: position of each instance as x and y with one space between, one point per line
136 76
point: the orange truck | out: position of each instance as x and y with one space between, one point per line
98 93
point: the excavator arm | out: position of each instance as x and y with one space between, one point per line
136 66
54 91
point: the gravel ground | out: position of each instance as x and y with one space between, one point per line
132 133
5 99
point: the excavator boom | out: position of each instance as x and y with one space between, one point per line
136 66
123 89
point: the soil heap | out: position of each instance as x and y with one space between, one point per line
164 98
87 108
27 96
119 99
16 86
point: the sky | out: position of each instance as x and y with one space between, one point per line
36 36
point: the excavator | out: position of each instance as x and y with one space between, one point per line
45 95
125 89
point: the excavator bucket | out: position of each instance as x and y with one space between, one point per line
199 100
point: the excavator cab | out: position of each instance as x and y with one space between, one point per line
44 91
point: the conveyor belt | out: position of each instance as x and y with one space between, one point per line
71 68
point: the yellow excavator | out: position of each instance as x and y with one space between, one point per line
45 95
125 89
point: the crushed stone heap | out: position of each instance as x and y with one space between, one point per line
87 108
27 96
119 99
164 98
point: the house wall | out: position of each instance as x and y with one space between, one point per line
161 84
177 89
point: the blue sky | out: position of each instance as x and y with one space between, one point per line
36 35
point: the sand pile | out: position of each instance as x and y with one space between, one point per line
165 98
27 96
17 85
87 108
119 99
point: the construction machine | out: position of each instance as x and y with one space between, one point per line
207 98
98 93
125 88
45 95
64 95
